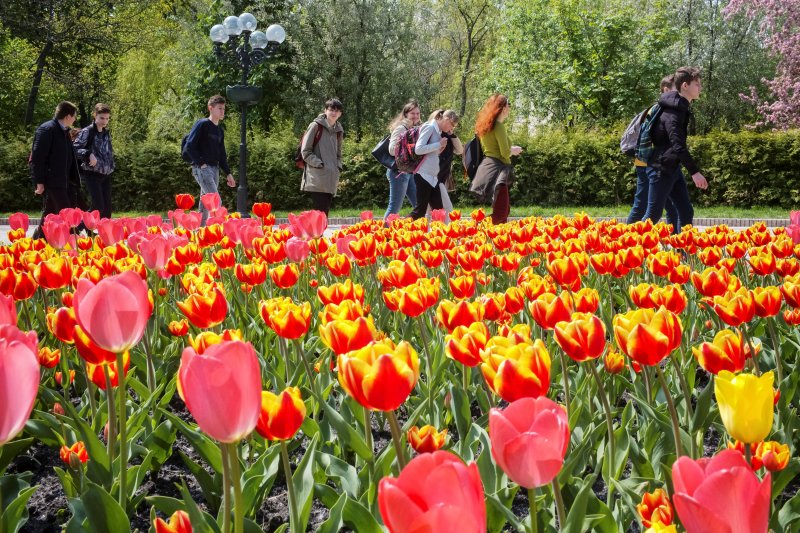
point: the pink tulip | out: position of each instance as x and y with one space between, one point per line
8 310
19 220
308 224
343 245
56 231
71 216
19 379
90 219
439 215
249 233
366 215
114 312
529 440
793 231
297 249
133 225
153 220
434 492
111 231
794 218
155 251
211 200
721 494
189 221
222 389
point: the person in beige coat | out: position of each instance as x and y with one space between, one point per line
322 153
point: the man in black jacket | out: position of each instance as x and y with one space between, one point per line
54 164
670 151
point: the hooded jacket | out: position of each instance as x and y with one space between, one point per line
669 135
323 161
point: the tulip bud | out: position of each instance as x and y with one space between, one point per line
58 409
162 291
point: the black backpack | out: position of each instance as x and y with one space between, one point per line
473 155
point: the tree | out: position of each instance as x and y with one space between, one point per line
780 29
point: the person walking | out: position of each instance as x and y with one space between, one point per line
401 184
495 173
54 164
643 183
429 144
453 147
322 151
96 154
670 151
205 146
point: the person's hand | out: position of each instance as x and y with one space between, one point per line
231 181
516 150
700 181
203 166
92 160
443 143
39 188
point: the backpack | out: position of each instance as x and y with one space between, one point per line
630 138
407 160
473 155
299 162
645 146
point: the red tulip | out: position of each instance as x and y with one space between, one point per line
308 224
721 494
222 389
114 312
19 379
8 310
56 231
529 440
281 414
19 221
178 523
434 492
77 450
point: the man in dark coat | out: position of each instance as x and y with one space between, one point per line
54 164
670 151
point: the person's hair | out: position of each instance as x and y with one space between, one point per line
101 108
215 100
686 75
668 83
489 113
402 115
334 103
449 114
73 133
65 109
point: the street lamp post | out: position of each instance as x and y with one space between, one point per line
245 47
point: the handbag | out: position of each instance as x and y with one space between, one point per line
382 155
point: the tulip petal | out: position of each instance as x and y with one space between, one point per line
398 508
696 518
19 384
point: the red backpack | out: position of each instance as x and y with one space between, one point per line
407 160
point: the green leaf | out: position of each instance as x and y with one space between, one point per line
203 445
459 403
201 522
13 506
160 442
346 433
103 513
210 486
702 410
10 450
789 514
258 479
345 473
587 513
352 513
303 480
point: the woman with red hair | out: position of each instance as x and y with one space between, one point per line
495 173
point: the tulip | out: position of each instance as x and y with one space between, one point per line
281 415
565 271
19 285
297 249
287 319
338 264
721 494
56 231
55 273
48 357
462 286
97 373
222 389
114 312
205 310
347 310
614 362
655 508
515 368
338 292
435 492
89 350
178 328
548 309
582 338
465 343
745 404
711 282
19 379
8 310
735 308
728 351
308 224
184 201
647 336
672 297
211 201
462 313
262 209
379 376
178 523
205 339
343 336
774 455
74 455
19 221
529 440
155 251
755 458
426 439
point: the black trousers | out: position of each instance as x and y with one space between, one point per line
321 201
99 187
55 199
426 194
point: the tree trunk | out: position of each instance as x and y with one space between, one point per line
41 61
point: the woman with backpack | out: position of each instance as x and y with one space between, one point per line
322 152
495 173
452 148
93 146
401 184
429 144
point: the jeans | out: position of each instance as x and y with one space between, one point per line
426 195
640 200
99 187
400 185
208 179
670 185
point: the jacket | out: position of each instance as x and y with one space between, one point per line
206 145
428 145
53 159
454 147
101 148
669 135
323 161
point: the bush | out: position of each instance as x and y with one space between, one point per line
556 168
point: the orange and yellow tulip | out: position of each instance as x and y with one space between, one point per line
655 508
767 301
727 351
582 338
516 369
647 336
735 308
338 292
548 309
773 455
464 343
285 276
462 313
205 310
281 415
343 336
287 319
711 282
426 439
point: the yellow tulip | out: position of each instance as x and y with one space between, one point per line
745 404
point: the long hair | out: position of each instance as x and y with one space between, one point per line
408 108
487 116
449 114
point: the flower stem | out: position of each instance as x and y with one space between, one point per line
226 488
428 370
776 345
309 372
294 519
610 427
676 430
559 498
687 396
397 438
236 481
123 432
748 454
465 378
532 507
112 417
565 379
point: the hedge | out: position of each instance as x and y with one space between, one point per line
557 168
